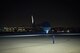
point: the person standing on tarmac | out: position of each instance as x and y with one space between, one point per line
53 38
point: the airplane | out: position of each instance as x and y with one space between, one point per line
42 29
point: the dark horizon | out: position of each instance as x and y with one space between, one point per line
57 13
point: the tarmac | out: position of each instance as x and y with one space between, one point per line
63 44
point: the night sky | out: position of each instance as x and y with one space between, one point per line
57 13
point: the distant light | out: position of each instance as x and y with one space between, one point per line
68 31
52 30
62 31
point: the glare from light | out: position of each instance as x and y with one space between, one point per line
47 31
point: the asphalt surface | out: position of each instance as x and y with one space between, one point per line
63 44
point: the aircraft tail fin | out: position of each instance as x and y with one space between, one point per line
32 19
